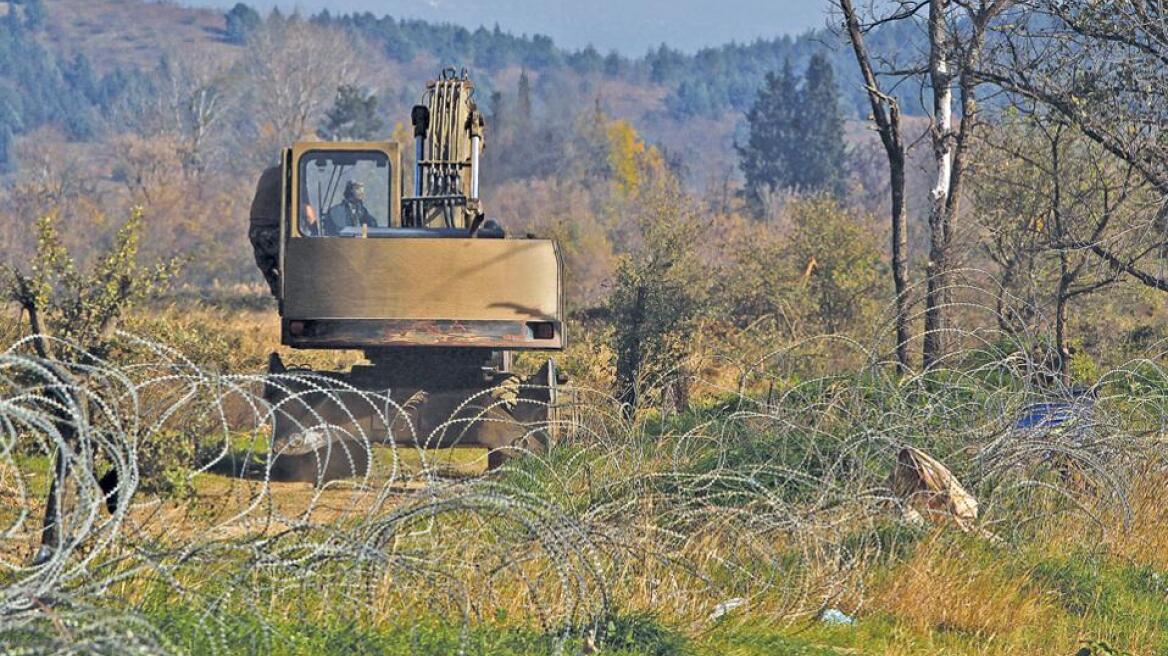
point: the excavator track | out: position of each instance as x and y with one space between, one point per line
325 424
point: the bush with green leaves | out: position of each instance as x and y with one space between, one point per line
64 301
660 294
73 312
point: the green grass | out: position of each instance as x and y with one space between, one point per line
1114 597
1090 594
206 631
751 640
636 634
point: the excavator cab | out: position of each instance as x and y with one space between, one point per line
435 295
342 190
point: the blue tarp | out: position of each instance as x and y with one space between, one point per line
1050 415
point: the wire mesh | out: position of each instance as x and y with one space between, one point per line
775 498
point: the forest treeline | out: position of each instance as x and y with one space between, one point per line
62 89
707 83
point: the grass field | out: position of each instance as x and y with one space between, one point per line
626 537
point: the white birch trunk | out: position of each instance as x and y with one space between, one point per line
942 85
941 81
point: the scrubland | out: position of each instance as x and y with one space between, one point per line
733 525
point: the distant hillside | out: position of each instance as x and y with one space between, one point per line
131 34
68 63
80 66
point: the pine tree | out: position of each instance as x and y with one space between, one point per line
353 116
35 14
586 61
665 65
10 125
78 74
397 43
692 98
614 64
241 21
524 99
6 140
821 141
498 111
542 53
796 135
768 158
13 24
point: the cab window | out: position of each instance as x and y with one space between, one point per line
343 194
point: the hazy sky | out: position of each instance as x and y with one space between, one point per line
630 26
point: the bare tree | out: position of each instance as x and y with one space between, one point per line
1103 68
201 96
942 199
886 116
957 37
147 166
956 31
1045 191
295 68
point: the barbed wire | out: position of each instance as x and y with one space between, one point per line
777 500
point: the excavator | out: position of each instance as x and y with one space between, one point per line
436 295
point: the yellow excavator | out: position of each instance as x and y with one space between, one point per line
435 294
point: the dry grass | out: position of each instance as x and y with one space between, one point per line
943 586
670 516
1145 538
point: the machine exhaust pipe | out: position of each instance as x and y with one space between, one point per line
420 117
